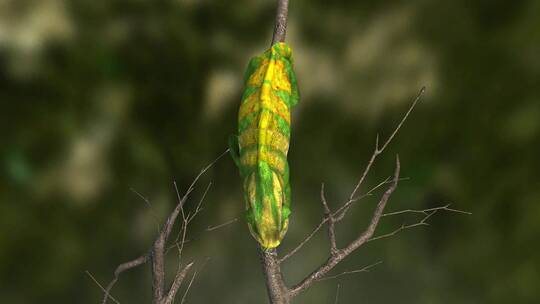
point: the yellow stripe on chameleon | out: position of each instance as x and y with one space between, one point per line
278 192
248 138
249 158
281 79
256 79
256 101
273 71
252 191
269 70
267 227
250 105
273 159
273 139
275 123
275 104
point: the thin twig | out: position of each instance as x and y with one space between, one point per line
101 286
340 213
429 212
149 205
425 211
334 259
378 150
193 279
158 250
208 229
338 217
363 269
305 241
331 223
337 294
121 268
212 228
188 287
180 275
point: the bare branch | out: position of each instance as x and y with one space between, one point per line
277 291
338 216
101 286
331 223
334 259
337 255
158 250
121 268
149 205
191 281
188 288
423 222
340 213
199 205
280 27
426 211
212 228
208 229
378 150
142 197
305 241
363 269
180 275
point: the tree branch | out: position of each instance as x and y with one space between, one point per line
121 268
378 150
330 218
338 216
280 27
278 293
340 254
180 275
101 286
158 251
363 269
423 222
340 213
331 223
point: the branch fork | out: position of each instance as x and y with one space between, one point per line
156 254
278 291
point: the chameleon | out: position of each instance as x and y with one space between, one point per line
260 148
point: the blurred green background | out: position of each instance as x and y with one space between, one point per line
102 97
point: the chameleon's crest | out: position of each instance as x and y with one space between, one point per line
261 147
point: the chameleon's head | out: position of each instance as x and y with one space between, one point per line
267 215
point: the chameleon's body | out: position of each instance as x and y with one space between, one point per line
261 147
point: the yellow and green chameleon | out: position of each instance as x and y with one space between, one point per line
261 146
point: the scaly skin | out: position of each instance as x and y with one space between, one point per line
261 147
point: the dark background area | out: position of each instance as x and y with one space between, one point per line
100 97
